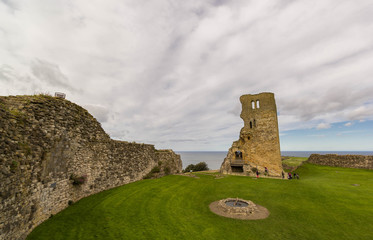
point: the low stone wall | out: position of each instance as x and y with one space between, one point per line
47 144
348 161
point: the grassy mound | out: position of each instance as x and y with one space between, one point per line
326 203
294 161
291 163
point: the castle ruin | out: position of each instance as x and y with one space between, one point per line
258 146
54 152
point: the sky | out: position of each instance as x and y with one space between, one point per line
170 72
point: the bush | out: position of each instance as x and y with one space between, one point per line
202 166
70 202
254 169
155 169
148 176
189 167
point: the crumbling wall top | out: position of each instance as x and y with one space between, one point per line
254 104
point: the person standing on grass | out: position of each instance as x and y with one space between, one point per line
257 174
265 171
283 175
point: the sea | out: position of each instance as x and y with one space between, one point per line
215 159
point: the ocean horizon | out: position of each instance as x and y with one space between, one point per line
215 158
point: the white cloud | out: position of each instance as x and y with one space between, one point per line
361 113
171 72
51 74
348 124
101 113
317 135
323 126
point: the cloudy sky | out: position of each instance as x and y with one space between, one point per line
170 72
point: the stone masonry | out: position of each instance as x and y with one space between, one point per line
348 161
46 143
258 146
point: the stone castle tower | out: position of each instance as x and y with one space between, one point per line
259 145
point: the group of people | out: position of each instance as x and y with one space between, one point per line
295 175
265 172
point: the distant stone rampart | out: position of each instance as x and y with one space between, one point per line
53 153
348 161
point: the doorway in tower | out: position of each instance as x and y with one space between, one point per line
237 168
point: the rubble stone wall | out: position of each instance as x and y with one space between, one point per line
348 161
47 144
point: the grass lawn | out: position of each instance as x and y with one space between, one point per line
294 161
323 204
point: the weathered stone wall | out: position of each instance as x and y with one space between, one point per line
44 143
348 161
259 142
170 161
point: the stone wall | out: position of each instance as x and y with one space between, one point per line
170 161
46 144
348 161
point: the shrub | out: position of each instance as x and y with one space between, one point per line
155 169
254 169
202 166
70 202
148 176
167 170
189 167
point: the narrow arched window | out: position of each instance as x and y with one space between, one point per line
257 104
252 104
251 124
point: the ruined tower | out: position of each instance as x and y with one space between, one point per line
258 146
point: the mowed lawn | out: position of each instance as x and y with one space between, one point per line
326 203
294 161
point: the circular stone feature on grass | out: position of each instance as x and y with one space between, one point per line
239 209
235 203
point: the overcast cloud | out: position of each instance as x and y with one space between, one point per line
171 72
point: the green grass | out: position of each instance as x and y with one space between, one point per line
294 161
323 204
